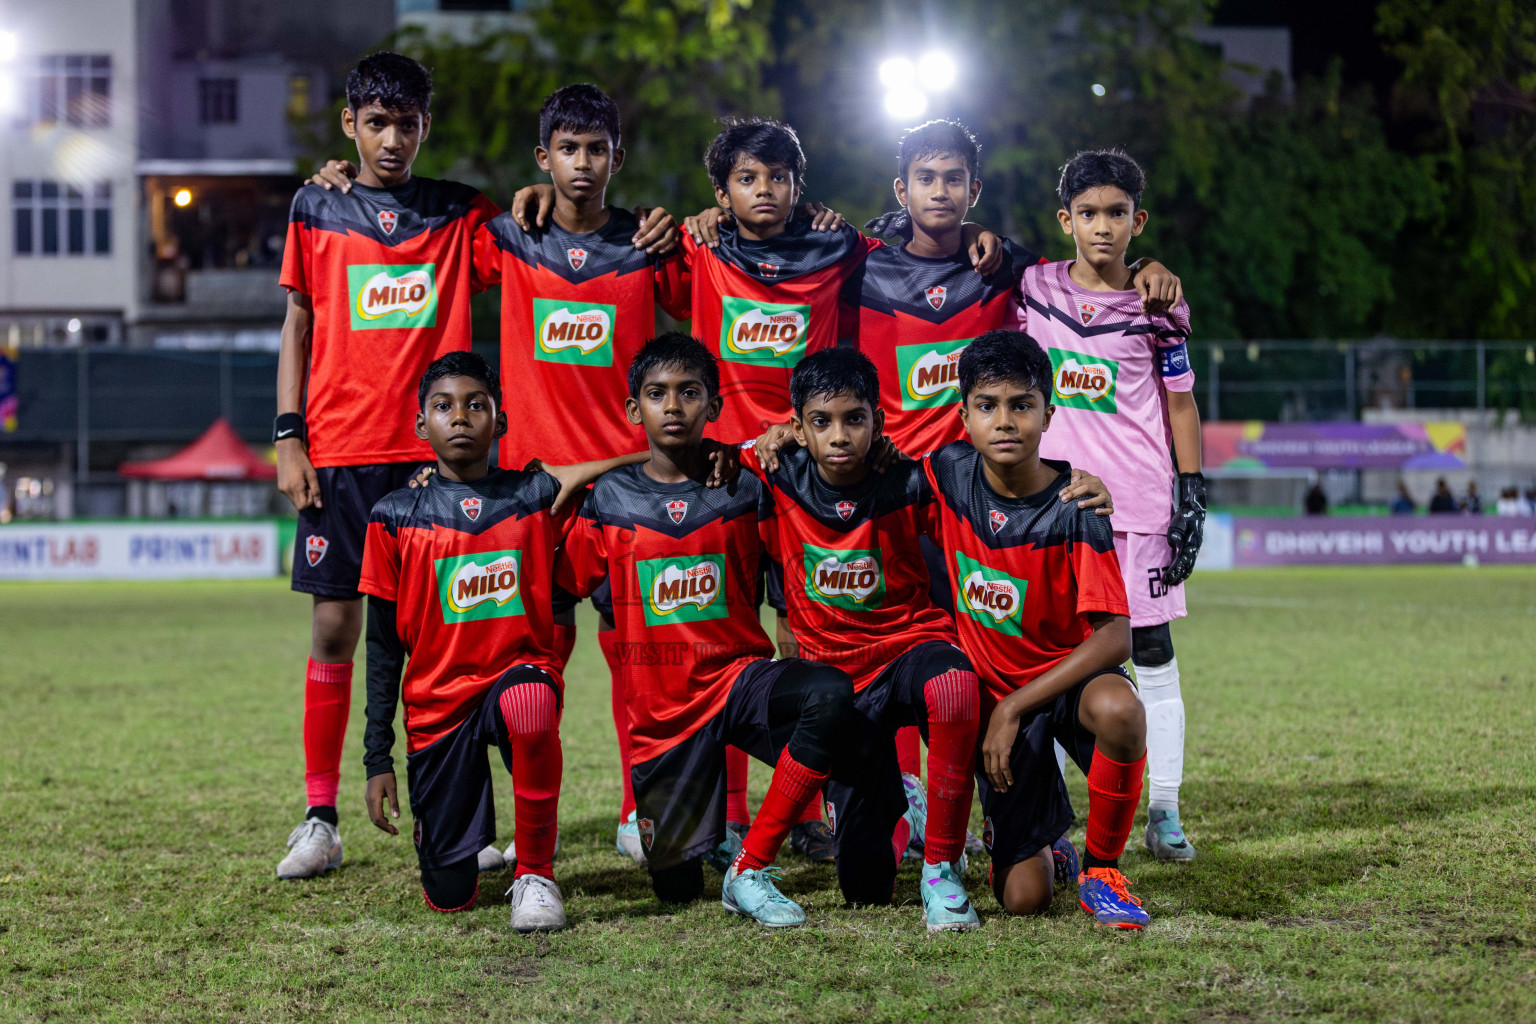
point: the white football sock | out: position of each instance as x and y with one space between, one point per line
1159 688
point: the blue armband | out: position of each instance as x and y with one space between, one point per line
1174 360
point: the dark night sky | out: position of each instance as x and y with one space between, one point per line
1320 31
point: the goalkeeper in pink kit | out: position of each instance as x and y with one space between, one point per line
1125 412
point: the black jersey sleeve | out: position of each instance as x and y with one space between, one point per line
386 660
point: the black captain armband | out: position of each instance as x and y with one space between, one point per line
288 424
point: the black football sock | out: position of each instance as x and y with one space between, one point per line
1090 861
325 814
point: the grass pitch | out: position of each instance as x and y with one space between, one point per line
1359 784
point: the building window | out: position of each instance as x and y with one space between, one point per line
54 218
69 89
219 100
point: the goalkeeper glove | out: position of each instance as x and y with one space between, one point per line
1187 530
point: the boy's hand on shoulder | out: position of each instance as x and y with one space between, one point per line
780 436
573 479
821 218
997 748
1089 492
884 452
532 205
380 788
726 460
1160 289
422 478
984 248
704 226
335 174
658 231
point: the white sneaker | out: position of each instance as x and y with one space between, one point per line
510 857
313 849
537 905
628 842
490 859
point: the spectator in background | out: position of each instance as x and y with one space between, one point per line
1403 504
1472 504
1511 503
1444 501
1316 502
1530 501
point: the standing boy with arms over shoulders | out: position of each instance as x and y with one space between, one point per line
1124 395
1041 611
379 281
459 582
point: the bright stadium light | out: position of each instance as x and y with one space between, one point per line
1098 90
183 197
936 71
906 103
897 73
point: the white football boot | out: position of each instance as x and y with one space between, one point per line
537 905
313 849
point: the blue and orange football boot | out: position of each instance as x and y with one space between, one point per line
1106 894
1065 856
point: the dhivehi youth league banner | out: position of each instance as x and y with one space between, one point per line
1254 446
1381 540
138 551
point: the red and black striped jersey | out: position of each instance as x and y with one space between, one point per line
913 316
389 273
855 584
469 567
1025 572
575 308
763 307
682 560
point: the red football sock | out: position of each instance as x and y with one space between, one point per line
736 762
565 642
954 706
1114 790
607 642
327 700
900 838
909 750
812 810
531 714
792 787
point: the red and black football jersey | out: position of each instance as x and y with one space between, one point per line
855 583
913 316
575 308
763 307
389 273
469 567
1025 572
683 561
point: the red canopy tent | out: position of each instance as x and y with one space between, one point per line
218 455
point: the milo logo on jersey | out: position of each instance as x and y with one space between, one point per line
763 333
686 589
990 596
1084 382
852 580
392 296
930 373
573 332
481 586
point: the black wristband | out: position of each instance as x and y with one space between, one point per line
288 424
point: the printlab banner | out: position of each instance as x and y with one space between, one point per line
1249 446
124 551
1382 540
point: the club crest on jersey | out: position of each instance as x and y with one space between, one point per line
832 816
1086 311
769 269
997 519
576 257
676 510
986 833
936 296
314 549
471 508
844 509
647 829
387 219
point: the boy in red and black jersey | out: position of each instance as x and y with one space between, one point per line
856 592
459 577
379 281
683 563
1041 609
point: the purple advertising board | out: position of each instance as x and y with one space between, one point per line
1252 446
1381 540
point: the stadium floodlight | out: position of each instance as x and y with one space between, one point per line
897 73
73 325
936 71
906 103
1098 90
9 45
183 197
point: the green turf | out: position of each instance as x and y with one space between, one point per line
1360 787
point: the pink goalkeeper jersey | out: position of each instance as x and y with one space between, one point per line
1112 363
